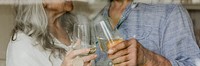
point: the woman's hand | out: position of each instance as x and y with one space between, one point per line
132 53
71 55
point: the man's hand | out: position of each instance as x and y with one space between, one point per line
132 53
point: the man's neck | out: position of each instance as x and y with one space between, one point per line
121 1
116 10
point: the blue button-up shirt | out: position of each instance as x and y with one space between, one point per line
164 29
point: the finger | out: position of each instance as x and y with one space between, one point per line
132 41
121 59
122 64
128 63
77 44
89 58
121 46
87 64
118 47
90 64
118 54
74 53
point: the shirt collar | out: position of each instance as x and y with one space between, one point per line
124 14
60 44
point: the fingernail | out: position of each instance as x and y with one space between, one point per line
110 51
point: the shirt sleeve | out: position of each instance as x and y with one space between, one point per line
178 40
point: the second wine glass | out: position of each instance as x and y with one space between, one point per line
107 37
81 37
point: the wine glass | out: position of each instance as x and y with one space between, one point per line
81 37
107 37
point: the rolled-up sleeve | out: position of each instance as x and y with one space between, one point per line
178 40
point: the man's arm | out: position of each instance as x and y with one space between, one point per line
149 58
177 44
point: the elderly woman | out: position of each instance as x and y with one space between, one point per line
41 35
155 35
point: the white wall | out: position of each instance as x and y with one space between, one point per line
6 24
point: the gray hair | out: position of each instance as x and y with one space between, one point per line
32 20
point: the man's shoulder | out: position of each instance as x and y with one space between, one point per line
158 7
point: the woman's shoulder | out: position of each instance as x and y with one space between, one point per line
23 50
20 38
20 43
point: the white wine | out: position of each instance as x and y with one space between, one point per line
114 42
102 44
107 38
107 44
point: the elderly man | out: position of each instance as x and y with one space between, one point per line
155 35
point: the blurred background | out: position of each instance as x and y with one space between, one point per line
88 8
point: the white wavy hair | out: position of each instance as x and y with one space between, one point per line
32 20
31 17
